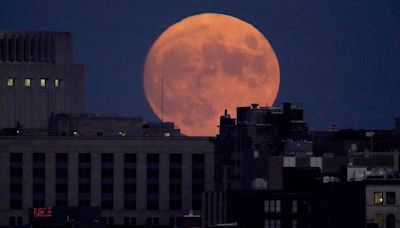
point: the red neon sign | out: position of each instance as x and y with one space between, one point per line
42 212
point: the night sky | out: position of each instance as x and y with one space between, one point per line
339 59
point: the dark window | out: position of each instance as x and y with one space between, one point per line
16 172
196 204
107 188
175 173
130 158
12 221
130 188
107 204
198 158
38 188
390 197
130 173
107 158
152 188
175 158
61 188
15 204
84 203
175 205
38 203
19 220
198 188
39 158
84 188
107 173
38 172
175 188
152 205
15 188
61 203
153 158
61 158
152 173
198 174
130 205
62 173
84 173
84 158
16 158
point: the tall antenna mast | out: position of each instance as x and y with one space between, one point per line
162 105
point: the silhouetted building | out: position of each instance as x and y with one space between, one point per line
38 78
245 145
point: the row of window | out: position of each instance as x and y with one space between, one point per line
28 82
149 221
274 206
276 223
379 198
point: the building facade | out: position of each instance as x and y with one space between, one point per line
133 180
38 78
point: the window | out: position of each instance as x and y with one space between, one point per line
57 83
10 82
107 158
272 223
175 158
16 158
378 219
294 223
273 206
43 82
294 206
256 154
130 158
27 82
390 198
175 173
378 197
266 206
129 204
390 221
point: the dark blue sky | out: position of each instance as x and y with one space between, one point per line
339 59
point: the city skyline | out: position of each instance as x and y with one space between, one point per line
340 60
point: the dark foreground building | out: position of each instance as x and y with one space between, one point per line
121 180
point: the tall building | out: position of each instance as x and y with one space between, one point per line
38 78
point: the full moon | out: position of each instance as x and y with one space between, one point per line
205 64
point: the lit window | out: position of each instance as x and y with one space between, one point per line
390 197
378 219
167 134
10 82
266 206
378 197
28 82
278 206
43 82
256 154
57 83
121 133
75 133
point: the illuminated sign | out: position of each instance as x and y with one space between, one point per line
42 212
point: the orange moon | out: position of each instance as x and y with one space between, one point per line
205 64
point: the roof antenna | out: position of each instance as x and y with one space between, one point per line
162 105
